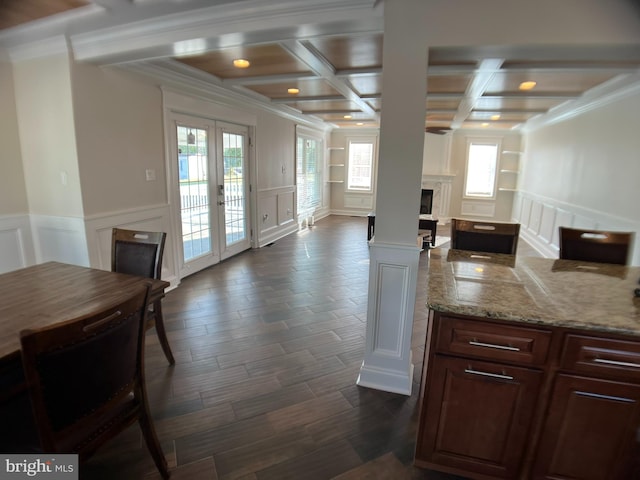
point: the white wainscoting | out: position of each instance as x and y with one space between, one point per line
478 209
60 239
541 218
274 217
358 200
155 218
16 243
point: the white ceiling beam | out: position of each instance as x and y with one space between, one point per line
482 78
305 52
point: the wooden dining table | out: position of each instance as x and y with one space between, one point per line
53 292
40 296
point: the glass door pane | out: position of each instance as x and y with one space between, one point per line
234 194
233 191
193 157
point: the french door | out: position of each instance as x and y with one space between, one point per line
211 168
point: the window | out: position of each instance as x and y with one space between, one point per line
360 158
482 162
308 173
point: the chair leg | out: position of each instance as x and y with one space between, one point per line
162 334
153 444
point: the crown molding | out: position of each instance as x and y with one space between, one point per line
181 79
614 90
224 26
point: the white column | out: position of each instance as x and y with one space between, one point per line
394 253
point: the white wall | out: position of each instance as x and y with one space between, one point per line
13 193
119 135
16 242
583 172
47 136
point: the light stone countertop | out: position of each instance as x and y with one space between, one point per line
541 291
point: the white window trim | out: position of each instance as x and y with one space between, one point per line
363 139
482 141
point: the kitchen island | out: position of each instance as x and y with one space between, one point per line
531 370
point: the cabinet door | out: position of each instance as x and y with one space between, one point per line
478 416
590 431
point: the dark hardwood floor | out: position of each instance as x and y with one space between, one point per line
268 345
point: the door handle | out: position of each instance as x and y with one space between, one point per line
220 202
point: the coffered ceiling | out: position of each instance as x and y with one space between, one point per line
330 51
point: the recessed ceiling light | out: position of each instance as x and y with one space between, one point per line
241 63
347 117
495 117
359 123
293 91
485 124
527 85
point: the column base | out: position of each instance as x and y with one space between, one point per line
386 380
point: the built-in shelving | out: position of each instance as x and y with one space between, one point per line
336 176
509 174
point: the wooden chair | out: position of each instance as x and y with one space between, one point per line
490 237
85 379
140 253
595 245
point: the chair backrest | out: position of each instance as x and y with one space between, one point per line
80 370
478 236
595 245
137 252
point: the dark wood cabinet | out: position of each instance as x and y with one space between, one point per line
481 413
590 430
502 400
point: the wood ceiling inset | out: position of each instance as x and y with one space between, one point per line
19 12
351 53
266 60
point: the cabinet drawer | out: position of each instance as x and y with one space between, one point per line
601 356
508 343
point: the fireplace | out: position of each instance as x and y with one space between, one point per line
440 186
426 201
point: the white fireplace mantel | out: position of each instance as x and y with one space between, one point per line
441 186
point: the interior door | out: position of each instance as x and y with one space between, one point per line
232 190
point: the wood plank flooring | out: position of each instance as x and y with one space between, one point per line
268 345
